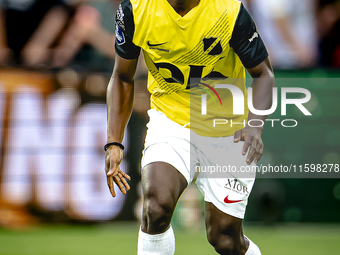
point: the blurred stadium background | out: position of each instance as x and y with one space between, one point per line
56 58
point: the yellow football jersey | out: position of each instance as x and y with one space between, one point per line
188 56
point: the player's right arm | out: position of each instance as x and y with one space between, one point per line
119 101
119 98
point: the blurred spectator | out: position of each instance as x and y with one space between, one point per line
28 28
288 28
86 28
98 50
329 32
50 32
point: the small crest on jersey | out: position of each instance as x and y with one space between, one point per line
120 17
120 38
212 46
255 35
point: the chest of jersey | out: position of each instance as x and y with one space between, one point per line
193 46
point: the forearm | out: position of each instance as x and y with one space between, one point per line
119 99
262 88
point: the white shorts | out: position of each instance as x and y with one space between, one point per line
167 141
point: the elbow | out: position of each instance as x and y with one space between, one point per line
269 74
123 78
268 79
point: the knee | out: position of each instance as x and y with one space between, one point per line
226 244
157 214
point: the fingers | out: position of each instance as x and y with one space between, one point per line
125 175
252 143
246 146
259 154
121 182
127 186
110 184
111 170
237 136
255 151
118 176
252 151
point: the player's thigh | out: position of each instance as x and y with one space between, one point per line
162 186
162 180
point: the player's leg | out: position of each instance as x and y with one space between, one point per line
165 175
225 194
162 186
225 233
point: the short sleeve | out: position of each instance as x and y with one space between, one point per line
246 41
125 28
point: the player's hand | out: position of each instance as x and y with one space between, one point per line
114 156
252 139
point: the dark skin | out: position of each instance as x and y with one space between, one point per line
119 107
162 183
120 101
263 82
182 7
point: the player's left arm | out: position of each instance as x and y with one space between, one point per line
263 82
248 45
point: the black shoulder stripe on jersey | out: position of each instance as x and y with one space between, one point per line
128 18
125 24
246 41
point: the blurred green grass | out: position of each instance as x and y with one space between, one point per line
121 238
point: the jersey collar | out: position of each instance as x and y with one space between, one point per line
187 18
